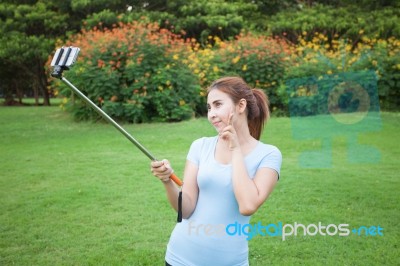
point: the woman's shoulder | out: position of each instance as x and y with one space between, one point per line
200 148
270 149
204 141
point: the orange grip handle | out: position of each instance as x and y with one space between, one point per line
176 179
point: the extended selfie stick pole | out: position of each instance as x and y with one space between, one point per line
62 60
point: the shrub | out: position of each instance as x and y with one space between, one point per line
134 73
139 72
320 58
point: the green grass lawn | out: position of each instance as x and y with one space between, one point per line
31 101
81 194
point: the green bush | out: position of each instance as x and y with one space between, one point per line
134 73
321 59
388 62
138 72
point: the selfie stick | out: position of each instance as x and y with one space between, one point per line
62 60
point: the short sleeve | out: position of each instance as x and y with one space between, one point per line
273 160
194 151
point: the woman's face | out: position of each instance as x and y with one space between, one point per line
219 106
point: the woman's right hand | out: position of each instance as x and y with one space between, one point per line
162 170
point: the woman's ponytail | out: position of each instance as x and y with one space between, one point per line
258 113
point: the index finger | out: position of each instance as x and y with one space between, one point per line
156 164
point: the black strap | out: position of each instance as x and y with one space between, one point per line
179 219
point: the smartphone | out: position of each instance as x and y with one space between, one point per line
65 56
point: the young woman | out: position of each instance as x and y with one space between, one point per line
226 179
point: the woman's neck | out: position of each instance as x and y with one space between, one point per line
244 136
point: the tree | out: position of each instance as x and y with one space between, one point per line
27 34
197 19
347 21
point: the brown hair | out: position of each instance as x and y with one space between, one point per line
257 101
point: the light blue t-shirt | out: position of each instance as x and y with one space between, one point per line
202 238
